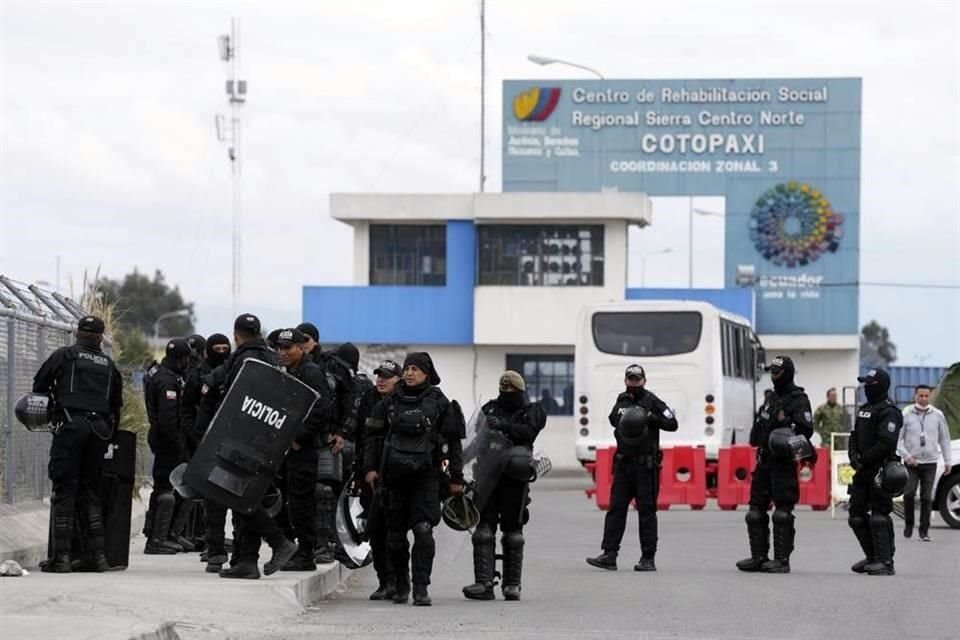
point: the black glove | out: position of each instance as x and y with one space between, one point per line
494 422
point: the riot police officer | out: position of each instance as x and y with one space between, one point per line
299 469
87 391
775 476
637 418
162 391
873 444
250 529
513 415
387 377
407 436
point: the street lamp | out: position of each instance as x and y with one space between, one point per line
643 264
179 313
543 61
699 212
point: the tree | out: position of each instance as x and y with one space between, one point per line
140 301
876 349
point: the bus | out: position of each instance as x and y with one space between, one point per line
704 363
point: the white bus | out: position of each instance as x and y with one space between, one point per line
701 361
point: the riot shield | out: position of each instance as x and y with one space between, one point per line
484 459
351 523
116 497
249 436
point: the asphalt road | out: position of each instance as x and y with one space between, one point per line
697 592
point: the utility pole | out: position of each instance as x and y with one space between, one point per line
483 93
236 96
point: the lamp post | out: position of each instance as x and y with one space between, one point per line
543 61
699 212
643 264
179 313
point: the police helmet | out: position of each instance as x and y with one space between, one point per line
272 502
891 479
34 411
181 487
784 443
459 513
633 425
518 464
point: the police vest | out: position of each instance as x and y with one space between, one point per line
412 437
84 382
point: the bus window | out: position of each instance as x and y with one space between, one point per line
651 333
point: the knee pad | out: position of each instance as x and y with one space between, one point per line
483 534
422 529
512 540
323 492
756 516
880 521
857 522
165 499
783 517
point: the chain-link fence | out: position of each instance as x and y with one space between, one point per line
33 323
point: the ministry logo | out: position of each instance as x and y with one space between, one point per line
536 104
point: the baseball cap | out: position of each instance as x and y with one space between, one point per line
636 371
388 369
178 348
875 376
247 322
780 362
309 329
512 379
91 324
288 337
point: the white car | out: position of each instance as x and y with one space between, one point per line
946 492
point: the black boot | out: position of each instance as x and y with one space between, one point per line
861 529
645 564
784 534
158 543
402 592
512 564
758 532
61 563
92 562
420 596
283 550
484 552
881 530
215 562
606 560
242 570
385 591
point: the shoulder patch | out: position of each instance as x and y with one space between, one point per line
171 394
807 416
667 413
891 427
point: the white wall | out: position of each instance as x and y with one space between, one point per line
818 368
548 315
361 253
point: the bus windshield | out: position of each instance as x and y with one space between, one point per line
647 333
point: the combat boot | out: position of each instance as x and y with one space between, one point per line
93 562
324 555
784 534
61 563
242 570
282 553
402 591
861 567
215 563
300 562
420 596
881 531
484 559
512 564
645 564
385 591
758 532
606 560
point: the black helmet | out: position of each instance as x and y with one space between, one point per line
34 411
272 502
784 443
633 427
518 464
459 513
891 479
181 487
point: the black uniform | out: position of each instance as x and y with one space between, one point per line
88 392
636 470
775 478
299 469
190 399
872 444
405 440
520 421
212 390
376 526
162 390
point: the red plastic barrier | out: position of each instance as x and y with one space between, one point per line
734 466
815 482
683 478
602 478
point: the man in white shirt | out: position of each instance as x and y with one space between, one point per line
924 438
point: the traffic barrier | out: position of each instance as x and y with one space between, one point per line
683 478
734 466
602 470
815 482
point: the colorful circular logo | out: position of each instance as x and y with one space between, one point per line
793 224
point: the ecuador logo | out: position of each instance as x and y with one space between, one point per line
536 104
794 224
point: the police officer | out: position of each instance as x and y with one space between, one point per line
250 529
299 469
872 444
775 476
190 399
162 390
212 391
387 376
88 394
405 441
513 415
637 418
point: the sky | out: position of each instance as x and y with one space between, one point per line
109 158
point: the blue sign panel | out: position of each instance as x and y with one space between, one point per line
784 153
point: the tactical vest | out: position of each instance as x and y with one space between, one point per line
84 381
412 437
